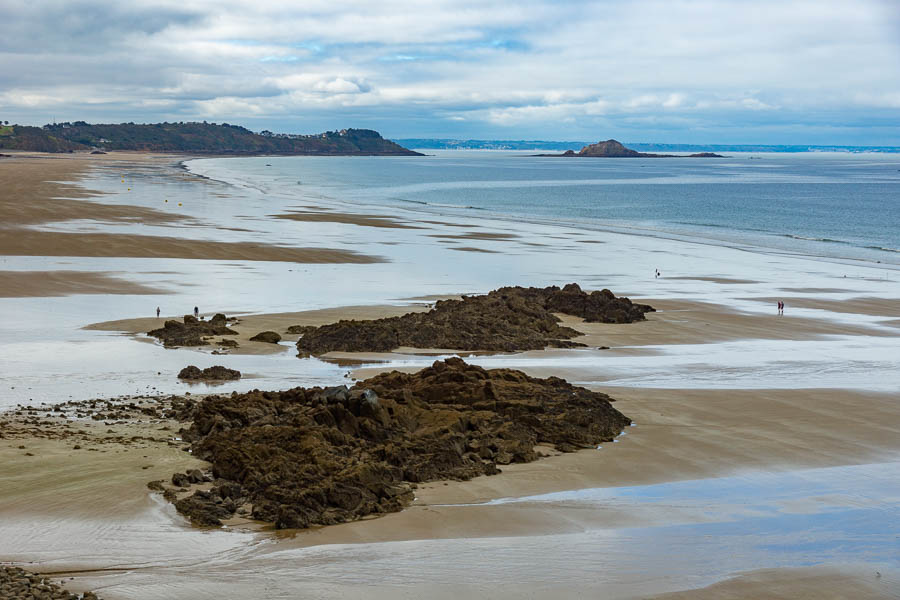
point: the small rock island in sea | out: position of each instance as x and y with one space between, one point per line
614 149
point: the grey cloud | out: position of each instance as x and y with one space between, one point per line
86 26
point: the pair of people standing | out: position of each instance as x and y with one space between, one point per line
780 307
196 312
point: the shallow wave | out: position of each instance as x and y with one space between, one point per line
884 249
816 239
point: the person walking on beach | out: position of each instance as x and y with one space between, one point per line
157 312
196 312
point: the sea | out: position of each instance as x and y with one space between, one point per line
833 205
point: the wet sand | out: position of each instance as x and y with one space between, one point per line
52 179
111 245
105 478
347 219
679 434
819 583
27 177
32 284
860 305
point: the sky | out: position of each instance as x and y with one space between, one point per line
673 71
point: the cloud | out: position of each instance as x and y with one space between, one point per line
531 67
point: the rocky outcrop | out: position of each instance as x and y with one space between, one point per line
214 373
509 319
269 337
314 456
301 329
611 149
615 149
192 331
20 584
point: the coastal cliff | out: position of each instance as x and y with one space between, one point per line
194 138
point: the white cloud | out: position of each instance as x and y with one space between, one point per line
529 64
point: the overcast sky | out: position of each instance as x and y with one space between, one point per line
703 71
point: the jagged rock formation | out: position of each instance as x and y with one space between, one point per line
323 456
508 319
214 373
192 331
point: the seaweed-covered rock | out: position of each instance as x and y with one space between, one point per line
270 337
311 456
19 583
508 319
191 331
214 373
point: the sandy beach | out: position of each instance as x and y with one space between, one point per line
681 434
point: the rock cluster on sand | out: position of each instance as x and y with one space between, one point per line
192 331
19 584
508 319
311 456
215 373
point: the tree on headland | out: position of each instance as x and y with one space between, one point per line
195 137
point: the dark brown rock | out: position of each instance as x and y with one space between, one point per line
311 456
301 329
270 337
191 331
20 584
509 319
214 373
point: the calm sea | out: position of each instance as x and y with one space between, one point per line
832 205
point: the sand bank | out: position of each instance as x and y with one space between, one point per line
819 583
347 219
31 284
40 189
84 469
111 245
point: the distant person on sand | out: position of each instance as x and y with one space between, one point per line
196 312
780 307
157 312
